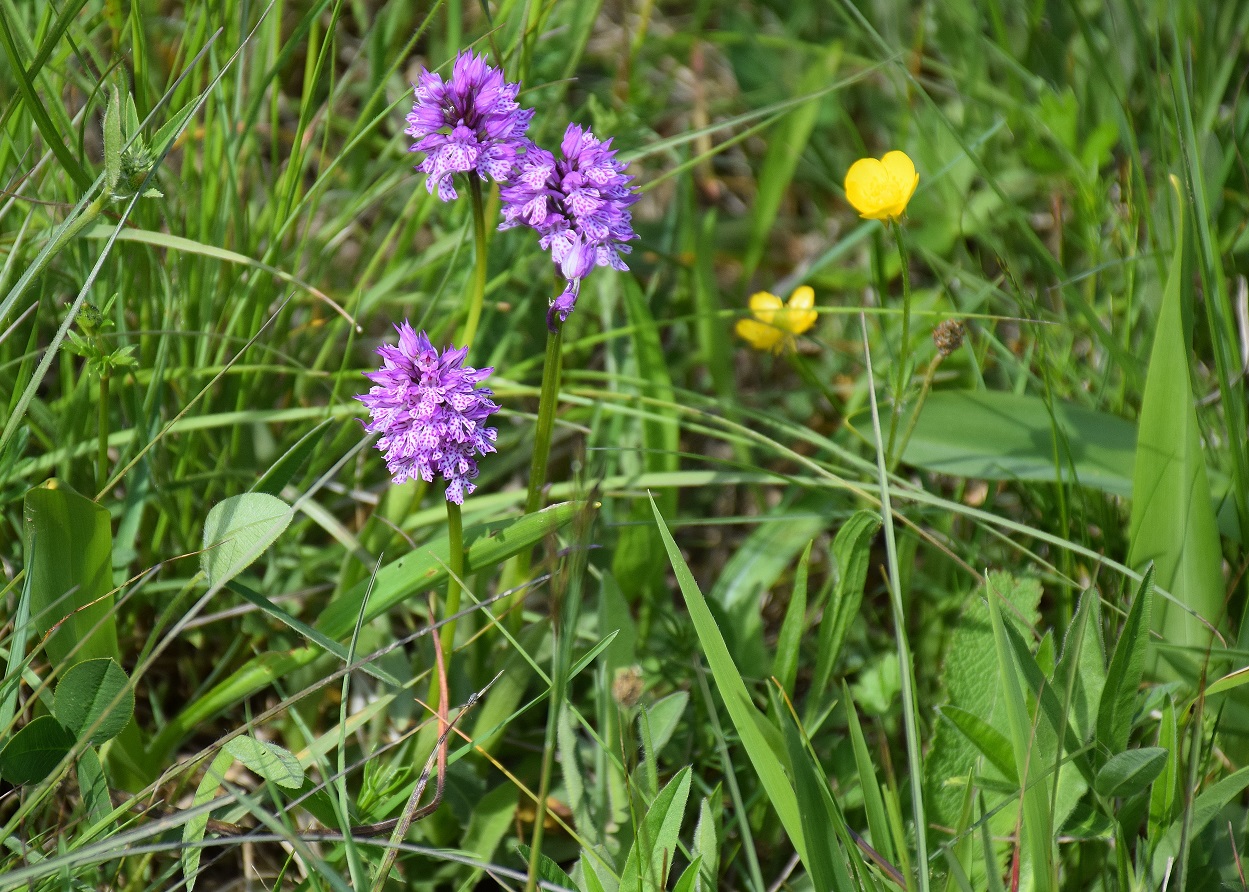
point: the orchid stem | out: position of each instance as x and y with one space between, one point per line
547 404
477 295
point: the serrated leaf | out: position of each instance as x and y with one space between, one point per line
969 678
238 530
1128 773
94 698
268 760
34 751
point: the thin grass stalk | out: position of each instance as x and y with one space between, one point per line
910 711
101 457
904 354
477 293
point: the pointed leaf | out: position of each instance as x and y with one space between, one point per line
268 760
1118 700
1173 524
1128 773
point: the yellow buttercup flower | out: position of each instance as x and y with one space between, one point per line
880 189
775 324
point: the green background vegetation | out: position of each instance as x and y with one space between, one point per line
209 219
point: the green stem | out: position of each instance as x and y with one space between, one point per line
455 542
904 356
548 402
477 296
101 457
910 710
924 388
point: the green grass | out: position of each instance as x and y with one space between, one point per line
714 661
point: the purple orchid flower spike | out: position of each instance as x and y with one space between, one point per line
470 123
579 205
431 412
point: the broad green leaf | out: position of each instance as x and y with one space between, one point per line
785 663
94 698
689 879
1128 773
1127 665
655 842
193 830
852 554
270 761
1173 524
991 435
742 711
69 544
493 817
970 681
706 846
35 750
238 530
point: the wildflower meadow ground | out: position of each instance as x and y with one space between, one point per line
624 446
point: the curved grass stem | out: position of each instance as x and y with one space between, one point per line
910 710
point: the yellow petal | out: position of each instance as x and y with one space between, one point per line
880 190
760 335
867 184
764 305
799 315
